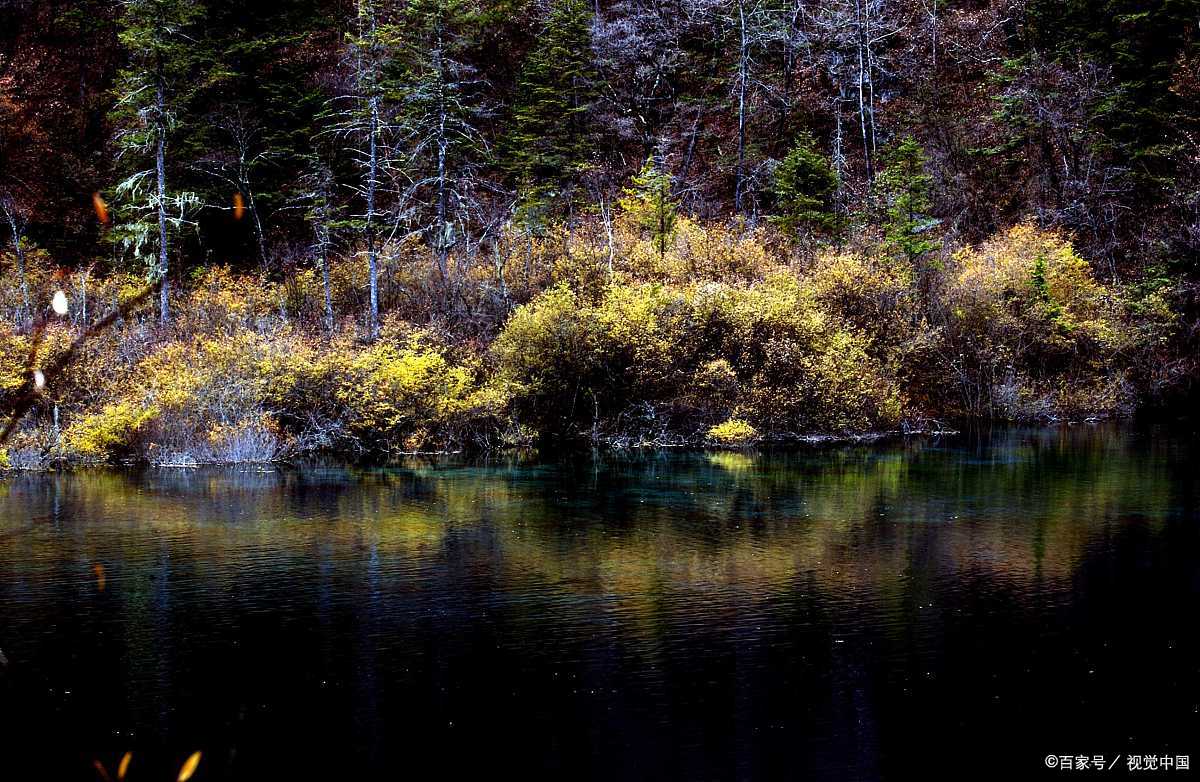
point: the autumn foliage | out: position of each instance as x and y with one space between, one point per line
725 336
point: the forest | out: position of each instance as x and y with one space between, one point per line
250 231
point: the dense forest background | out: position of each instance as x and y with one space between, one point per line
441 175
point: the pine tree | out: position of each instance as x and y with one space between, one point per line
906 187
648 200
440 109
547 147
152 93
261 111
1142 41
804 187
365 121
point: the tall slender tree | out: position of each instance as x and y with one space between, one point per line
440 113
365 119
152 91
17 221
754 26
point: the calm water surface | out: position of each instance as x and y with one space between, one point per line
902 611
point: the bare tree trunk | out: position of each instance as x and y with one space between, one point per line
259 233
933 26
164 313
834 67
442 225
372 251
241 136
17 227
323 250
870 51
743 68
498 265
606 217
687 160
789 68
862 80
83 302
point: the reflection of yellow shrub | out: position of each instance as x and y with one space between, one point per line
732 462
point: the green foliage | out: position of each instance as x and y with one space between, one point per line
906 185
804 188
1041 287
1143 43
649 203
547 145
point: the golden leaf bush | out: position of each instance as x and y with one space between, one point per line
600 329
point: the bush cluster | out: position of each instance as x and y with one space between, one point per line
624 332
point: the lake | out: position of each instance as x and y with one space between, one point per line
966 606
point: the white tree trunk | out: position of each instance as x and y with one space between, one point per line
372 181
743 76
164 313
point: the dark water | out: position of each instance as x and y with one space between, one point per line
908 611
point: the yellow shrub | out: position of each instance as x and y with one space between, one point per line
14 357
543 348
767 347
1030 326
695 252
873 294
397 388
1028 281
115 429
218 299
733 432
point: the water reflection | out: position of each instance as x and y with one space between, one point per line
833 614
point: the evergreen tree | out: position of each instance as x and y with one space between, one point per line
261 109
321 211
440 110
365 122
648 200
905 186
152 93
547 146
1143 42
804 188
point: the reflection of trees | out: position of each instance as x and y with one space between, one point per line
652 532
832 575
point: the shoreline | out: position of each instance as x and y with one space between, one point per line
611 445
